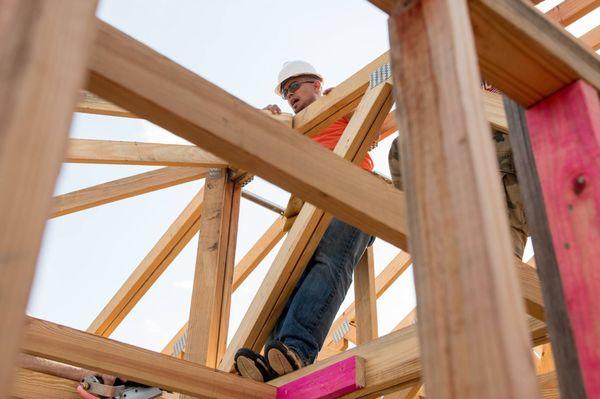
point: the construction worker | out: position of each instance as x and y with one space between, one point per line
305 321
510 184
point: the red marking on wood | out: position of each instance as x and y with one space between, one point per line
328 383
565 138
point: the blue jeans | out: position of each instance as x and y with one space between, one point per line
311 309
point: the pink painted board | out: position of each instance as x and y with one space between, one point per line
330 382
565 137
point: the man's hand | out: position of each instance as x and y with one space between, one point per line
291 212
275 110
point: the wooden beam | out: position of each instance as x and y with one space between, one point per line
408 393
492 103
570 11
134 153
212 288
327 383
245 266
547 382
524 54
392 361
564 132
365 298
33 385
387 6
90 103
464 289
528 281
306 232
545 363
549 386
592 38
564 14
494 110
531 290
570 377
127 187
207 116
44 50
67 345
166 249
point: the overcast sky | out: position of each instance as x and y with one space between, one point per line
240 46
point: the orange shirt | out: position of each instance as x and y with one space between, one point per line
329 137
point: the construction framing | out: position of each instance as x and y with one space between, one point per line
471 292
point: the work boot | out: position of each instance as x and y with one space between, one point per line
282 359
252 365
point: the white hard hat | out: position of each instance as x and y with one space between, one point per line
292 69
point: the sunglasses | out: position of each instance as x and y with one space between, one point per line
293 87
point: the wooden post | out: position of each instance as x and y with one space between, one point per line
466 285
242 270
365 298
556 148
211 295
43 55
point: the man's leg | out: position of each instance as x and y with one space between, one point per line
311 309
508 174
512 192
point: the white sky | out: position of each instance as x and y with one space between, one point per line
240 46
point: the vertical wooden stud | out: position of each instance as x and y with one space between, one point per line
43 55
211 295
365 298
466 286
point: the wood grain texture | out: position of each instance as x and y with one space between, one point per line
531 290
126 187
545 363
365 298
524 54
306 233
392 361
33 385
212 287
199 111
459 236
64 344
330 382
592 38
44 51
569 11
90 103
565 139
492 104
166 249
135 153
565 355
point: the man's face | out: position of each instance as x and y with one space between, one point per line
307 93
